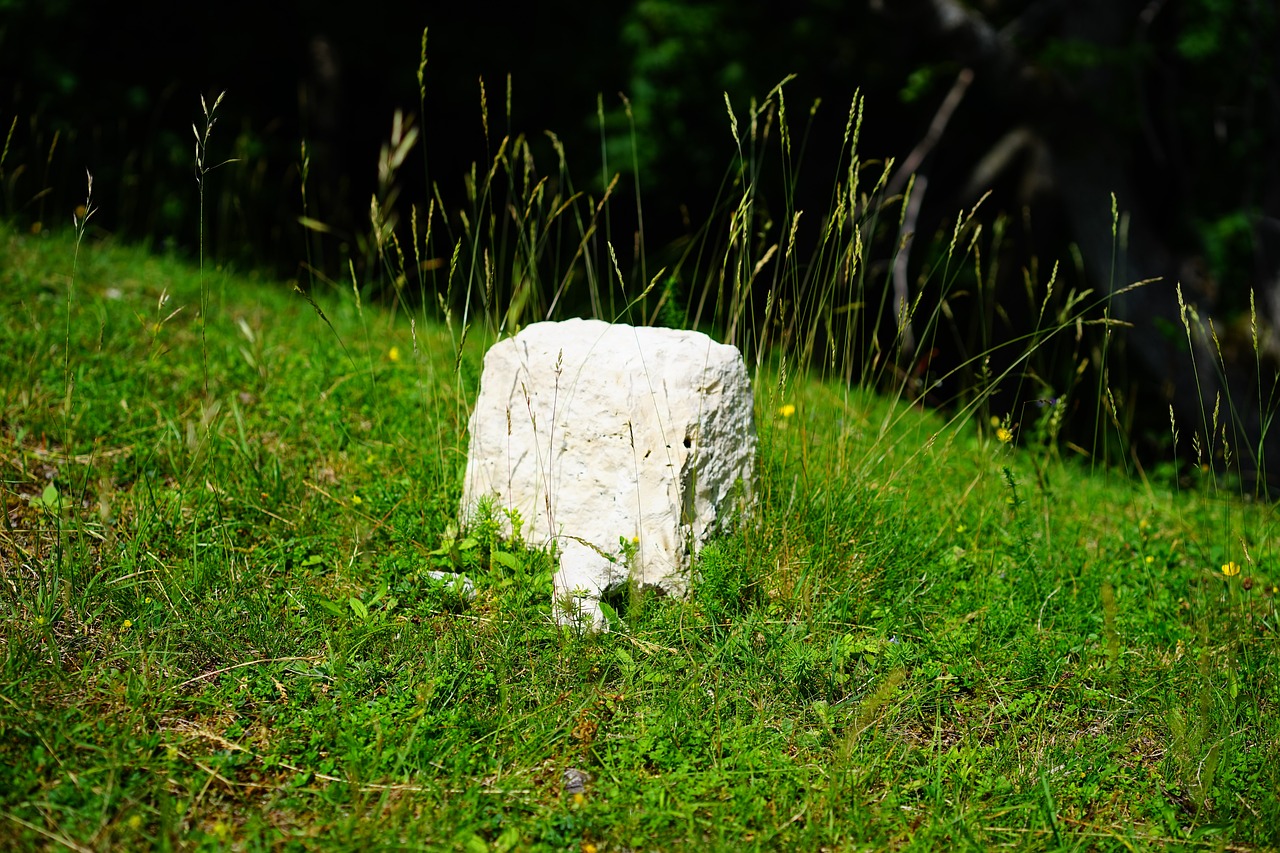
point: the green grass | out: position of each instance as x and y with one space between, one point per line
218 630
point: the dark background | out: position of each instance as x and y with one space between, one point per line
1173 106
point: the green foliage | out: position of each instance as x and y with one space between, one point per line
725 588
1228 246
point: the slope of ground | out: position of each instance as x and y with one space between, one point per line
218 629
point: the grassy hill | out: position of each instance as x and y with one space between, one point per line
219 629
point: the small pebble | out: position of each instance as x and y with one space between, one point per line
575 781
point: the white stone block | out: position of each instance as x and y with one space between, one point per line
601 434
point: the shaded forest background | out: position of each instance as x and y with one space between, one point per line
1051 106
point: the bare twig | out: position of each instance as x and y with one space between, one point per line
934 134
897 183
901 287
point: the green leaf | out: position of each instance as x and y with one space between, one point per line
49 499
472 843
359 608
611 616
502 558
331 607
508 840
314 225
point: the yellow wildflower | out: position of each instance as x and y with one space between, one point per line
1231 569
356 500
787 411
1004 435
394 353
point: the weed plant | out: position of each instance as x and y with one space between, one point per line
228 618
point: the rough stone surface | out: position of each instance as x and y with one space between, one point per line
623 446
